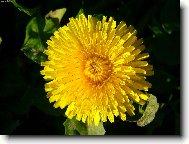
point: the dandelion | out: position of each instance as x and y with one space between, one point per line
96 69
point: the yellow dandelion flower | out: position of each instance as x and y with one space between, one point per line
96 69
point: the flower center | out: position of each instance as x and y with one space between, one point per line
97 69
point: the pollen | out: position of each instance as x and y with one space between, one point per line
97 69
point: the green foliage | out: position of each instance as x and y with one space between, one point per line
34 43
38 31
170 23
139 110
98 16
149 112
24 108
80 12
28 11
57 14
10 126
165 41
73 127
146 113
41 102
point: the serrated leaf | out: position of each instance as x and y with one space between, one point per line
28 11
73 127
149 112
38 32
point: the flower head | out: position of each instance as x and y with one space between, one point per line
96 69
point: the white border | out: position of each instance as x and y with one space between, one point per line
133 139
3 139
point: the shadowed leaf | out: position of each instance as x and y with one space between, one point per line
80 12
38 32
73 127
28 11
58 14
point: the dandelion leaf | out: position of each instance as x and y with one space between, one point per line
28 11
52 20
38 31
75 127
80 12
149 112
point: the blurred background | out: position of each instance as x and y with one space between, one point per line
24 108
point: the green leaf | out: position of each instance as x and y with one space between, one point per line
42 103
98 16
38 31
73 127
139 110
149 112
156 27
8 122
57 14
169 16
28 11
24 103
11 126
170 27
80 12
53 19
34 43
33 49
96 130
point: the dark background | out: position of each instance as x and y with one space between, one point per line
24 108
